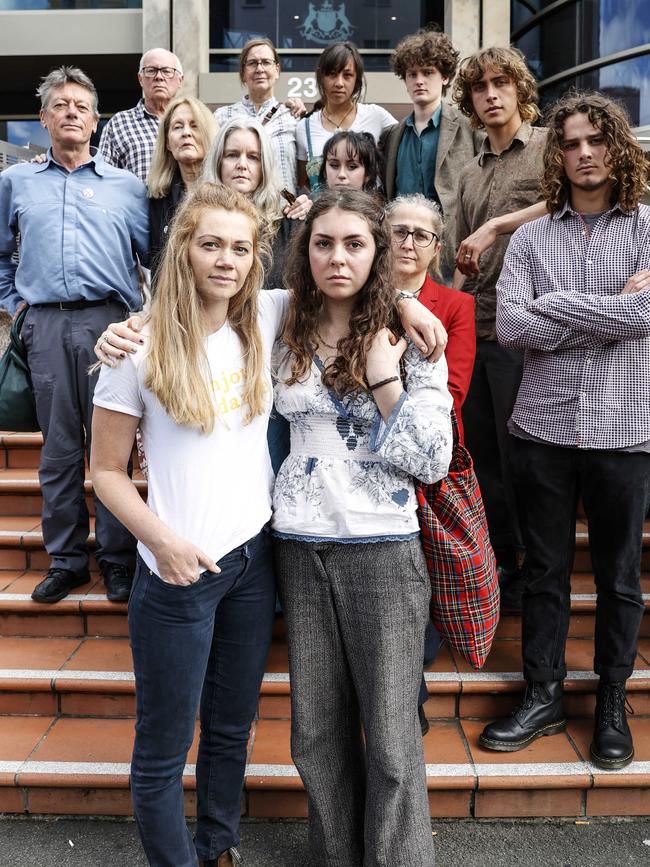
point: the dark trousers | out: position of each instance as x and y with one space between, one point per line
204 644
59 347
487 408
615 490
432 643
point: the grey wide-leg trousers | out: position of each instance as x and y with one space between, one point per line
356 615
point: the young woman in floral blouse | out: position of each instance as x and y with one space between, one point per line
352 574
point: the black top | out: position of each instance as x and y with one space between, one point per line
273 279
161 212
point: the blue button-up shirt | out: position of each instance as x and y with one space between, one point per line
415 168
80 232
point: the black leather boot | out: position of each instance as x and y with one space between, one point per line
540 713
612 746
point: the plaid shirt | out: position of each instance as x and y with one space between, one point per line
128 138
281 129
586 380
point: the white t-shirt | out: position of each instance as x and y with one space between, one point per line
370 118
212 489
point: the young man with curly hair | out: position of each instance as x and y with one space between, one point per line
574 293
426 151
497 93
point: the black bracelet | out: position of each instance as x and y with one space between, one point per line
383 382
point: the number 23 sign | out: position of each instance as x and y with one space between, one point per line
305 88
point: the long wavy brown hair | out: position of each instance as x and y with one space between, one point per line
509 61
374 306
177 371
625 158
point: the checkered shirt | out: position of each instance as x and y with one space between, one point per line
586 380
281 129
128 138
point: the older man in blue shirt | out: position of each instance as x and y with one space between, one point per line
81 224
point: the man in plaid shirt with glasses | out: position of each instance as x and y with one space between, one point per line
574 293
128 138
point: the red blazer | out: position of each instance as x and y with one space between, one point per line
455 310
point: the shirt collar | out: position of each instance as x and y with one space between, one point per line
142 110
96 161
522 136
434 120
567 209
271 102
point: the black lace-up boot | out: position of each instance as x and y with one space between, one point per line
612 746
540 713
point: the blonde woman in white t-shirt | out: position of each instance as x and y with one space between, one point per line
202 605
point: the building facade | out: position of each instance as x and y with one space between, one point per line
594 44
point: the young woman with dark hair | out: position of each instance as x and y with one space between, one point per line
351 160
340 79
367 415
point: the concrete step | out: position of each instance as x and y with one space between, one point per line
93 677
81 766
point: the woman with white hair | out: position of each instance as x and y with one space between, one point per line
242 158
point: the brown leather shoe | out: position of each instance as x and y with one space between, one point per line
229 858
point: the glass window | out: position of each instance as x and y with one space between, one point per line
623 24
580 31
12 5
522 11
30 132
629 82
312 24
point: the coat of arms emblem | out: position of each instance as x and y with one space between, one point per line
326 23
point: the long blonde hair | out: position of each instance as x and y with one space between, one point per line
178 371
163 165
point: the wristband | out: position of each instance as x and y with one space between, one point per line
383 382
405 296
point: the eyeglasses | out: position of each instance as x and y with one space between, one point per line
421 238
265 63
165 71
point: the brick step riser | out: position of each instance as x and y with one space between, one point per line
291 803
106 706
34 558
50 624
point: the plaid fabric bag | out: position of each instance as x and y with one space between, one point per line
464 583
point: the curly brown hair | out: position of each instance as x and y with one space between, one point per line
374 306
625 158
427 47
511 62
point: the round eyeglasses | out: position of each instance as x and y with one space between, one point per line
265 63
421 238
165 71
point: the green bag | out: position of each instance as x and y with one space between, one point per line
17 405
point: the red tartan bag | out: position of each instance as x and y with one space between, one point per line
460 559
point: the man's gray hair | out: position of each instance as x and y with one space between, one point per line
61 76
179 65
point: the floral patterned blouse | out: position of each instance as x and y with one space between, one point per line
349 475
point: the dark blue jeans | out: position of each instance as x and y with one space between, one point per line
615 490
205 643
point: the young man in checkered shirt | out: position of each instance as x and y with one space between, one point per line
574 293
